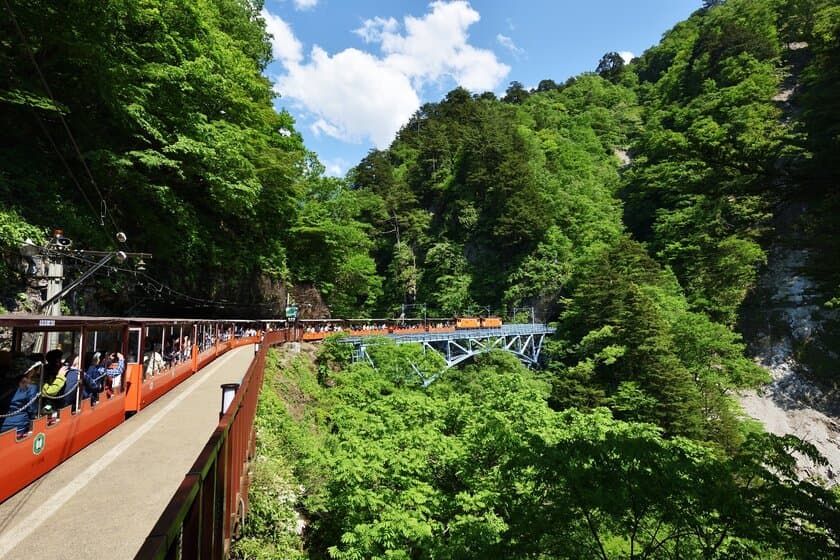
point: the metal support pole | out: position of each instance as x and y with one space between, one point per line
54 300
54 269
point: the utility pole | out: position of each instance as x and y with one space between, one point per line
531 309
52 257
54 272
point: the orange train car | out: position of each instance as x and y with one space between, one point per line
478 322
158 355
467 323
319 329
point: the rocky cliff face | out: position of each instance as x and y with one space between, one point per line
784 315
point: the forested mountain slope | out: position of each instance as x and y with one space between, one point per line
485 202
150 118
638 207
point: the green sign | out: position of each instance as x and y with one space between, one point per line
291 312
38 443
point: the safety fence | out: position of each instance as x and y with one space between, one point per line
210 505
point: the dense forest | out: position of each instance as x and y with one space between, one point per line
636 206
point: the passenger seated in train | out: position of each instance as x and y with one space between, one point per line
53 388
170 353
94 377
186 349
73 377
18 395
153 362
52 364
115 367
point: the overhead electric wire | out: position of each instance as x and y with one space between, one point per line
160 287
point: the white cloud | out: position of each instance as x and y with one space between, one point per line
355 96
305 4
508 43
626 56
372 30
435 46
284 45
335 167
350 96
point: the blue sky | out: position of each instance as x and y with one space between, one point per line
351 72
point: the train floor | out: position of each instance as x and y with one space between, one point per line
103 502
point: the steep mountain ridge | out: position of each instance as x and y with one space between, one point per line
786 313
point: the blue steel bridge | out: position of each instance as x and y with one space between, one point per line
522 340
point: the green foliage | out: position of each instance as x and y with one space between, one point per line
610 67
405 363
477 465
711 139
14 230
333 356
284 422
332 247
632 343
173 120
478 202
481 201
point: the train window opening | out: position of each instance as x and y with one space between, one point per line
133 355
103 346
177 340
31 343
154 362
104 341
204 338
58 385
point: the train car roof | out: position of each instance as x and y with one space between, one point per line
36 321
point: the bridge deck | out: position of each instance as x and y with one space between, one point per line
104 500
433 336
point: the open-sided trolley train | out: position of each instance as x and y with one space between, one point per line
158 354
318 329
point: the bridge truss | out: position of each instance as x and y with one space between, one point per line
523 341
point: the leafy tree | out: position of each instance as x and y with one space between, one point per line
477 465
610 67
632 343
332 247
515 93
173 137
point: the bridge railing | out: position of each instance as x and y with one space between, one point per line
504 330
212 501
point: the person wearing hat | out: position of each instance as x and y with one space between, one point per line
19 403
72 387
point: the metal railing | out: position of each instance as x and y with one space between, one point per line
424 336
210 505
